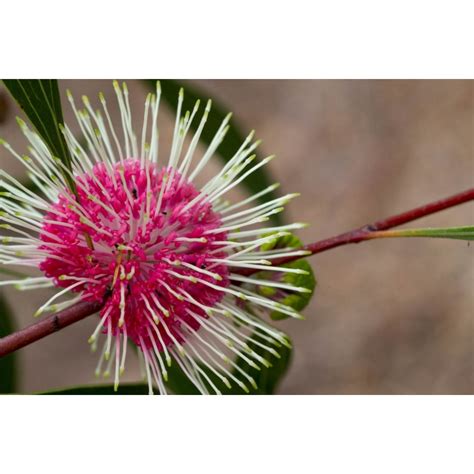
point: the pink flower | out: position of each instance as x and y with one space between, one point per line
162 254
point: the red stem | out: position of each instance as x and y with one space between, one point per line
47 326
57 321
364 233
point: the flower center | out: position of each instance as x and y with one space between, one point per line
143 240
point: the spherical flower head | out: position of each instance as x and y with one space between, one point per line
163 257
155 248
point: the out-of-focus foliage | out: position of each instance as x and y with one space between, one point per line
7 363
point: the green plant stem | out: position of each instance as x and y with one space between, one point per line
81 310
461 233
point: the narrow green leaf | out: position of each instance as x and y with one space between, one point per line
124 389
40 101
8 362
254 183
460 233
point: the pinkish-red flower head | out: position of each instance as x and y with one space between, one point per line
167 260
144 241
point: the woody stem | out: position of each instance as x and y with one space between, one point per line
81 310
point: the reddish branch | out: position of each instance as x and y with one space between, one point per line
367 232
47 326
80 311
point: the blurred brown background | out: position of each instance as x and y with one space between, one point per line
389 316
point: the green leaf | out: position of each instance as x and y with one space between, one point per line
460 233
267 378
254 183
40 101
296 300
124 389
8 362
178 382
